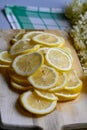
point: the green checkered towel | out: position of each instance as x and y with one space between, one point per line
21 17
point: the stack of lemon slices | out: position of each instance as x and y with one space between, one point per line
40 66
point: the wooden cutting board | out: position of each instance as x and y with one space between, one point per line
66 113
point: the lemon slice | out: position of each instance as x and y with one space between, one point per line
47 39
13 41
35 104
58 59
43 50
4 66
19 80
45 78
66 96
28 63
67 51
46 95
61 82
74 84
19 35
23 46
20 87
62 41
5 57
31 34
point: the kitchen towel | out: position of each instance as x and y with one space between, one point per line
21 17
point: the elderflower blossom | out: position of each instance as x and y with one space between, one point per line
79 35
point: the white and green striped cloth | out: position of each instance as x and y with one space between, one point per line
21 17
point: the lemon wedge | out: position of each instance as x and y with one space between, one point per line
35 104
45 78
27 64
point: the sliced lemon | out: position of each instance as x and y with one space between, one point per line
66 96
19 35
47 39
58 59
19 80
43 50
27 64
46 95
62 41
31 34
4 66
23 46
35 104
5 57
22 80
13 40
61 82
74 84
45 78
20 87
67 51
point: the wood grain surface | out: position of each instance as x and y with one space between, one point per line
12 115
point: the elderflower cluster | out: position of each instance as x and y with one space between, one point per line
79 35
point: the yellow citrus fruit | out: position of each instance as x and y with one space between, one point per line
19 79
45 78
35 104
19 86
74 84
67 51
27 64
4 66
5 57
62 41
43 50
61 82
58 59
30 35
19 35
66 96
46 95
13 41
23 46
47 39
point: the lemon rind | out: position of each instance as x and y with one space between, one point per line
44 87
53 65
24 103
